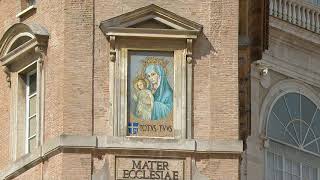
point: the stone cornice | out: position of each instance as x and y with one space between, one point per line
291 70
63 142
155 33
178 27
18 52
293 31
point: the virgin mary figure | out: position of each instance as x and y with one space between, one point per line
161 90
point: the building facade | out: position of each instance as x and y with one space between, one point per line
142 89
284 138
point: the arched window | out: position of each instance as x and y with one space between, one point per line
293 130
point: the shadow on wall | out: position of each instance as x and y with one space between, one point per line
201 48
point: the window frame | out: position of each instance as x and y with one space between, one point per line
28 54
119 71
28 117
276 92
283 170
280 95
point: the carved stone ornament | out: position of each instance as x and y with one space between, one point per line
265 79
112 41
189 51
8 78
131 24
41 50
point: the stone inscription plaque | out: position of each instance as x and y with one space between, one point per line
131 168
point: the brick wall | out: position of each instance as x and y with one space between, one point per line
71 64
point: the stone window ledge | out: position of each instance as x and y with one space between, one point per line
54 145
26 11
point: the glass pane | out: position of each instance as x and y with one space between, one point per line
270 165
288 166
281 111
308 109
314 174
32 105
293 102
313 147
287 176
296 169
274 166
32 126
303 130
32 144
277 131
315 126
309 173
310 137
32 83
305 173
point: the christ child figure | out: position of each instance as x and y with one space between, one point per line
144 99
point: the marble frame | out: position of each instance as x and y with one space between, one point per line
132 31
118 87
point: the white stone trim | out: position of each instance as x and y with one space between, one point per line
131 143
55 145
12 56
155 33
291 70
118 83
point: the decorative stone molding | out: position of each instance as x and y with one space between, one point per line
37 41
128 24
265 79
41 50
64 142
112 41
189 51
8 78
279 89
153 29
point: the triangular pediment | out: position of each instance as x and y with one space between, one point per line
151 18
151 24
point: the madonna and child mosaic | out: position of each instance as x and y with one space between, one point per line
150 93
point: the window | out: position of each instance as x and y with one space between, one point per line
27 111
22 54
31 111
281 168
293 129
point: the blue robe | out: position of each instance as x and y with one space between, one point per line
163 96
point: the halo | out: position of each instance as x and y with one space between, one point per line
140 77
156 61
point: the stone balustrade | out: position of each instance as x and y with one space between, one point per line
297 12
